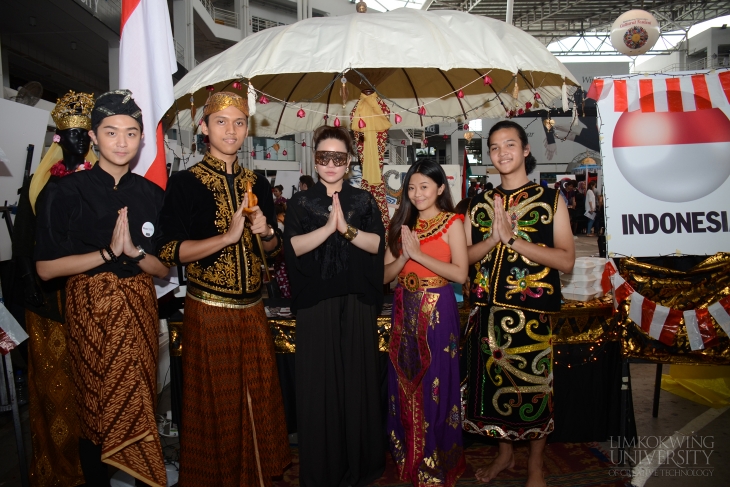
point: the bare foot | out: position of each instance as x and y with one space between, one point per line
503 460
535 479
535 476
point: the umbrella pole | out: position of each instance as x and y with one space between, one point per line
510 8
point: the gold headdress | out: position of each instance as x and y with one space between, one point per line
223 100
73 111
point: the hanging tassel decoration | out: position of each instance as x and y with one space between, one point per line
237 85
516 90
487 80
337 122
566 107
192 113
300 113
466 126
460 94
422 110
251 100
361 124
264 100
343 91
398 118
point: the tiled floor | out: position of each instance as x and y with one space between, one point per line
708 453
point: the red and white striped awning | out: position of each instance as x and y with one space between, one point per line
664 92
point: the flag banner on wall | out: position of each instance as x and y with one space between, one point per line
664 143
662 323
146 65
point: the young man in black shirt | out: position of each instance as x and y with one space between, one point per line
96 226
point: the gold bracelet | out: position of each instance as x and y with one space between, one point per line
351 233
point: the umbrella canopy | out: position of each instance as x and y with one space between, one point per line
428 66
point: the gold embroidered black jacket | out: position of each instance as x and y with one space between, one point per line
199 203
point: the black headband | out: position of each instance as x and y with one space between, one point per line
117 102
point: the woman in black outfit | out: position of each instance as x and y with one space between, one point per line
334 241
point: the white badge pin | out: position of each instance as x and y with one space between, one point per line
148 229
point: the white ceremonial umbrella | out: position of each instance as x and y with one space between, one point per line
426 66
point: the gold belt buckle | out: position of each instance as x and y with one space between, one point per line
412 282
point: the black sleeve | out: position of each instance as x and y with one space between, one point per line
175 218
54 208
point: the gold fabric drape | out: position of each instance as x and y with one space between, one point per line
700 286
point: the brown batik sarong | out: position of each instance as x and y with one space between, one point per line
233 427
113 345
54 424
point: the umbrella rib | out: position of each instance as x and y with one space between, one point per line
329 96
454 89
286 102
495 92
415 95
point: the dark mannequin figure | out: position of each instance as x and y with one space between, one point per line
75 143
50 386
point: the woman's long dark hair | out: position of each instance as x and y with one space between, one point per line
407 214
530 161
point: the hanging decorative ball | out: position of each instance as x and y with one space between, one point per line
304 143
460 94
210 88
276 147
487 80
237 85
361 123
283 153
300 113
425 141
528 105
264 100
549 123
468 136
511 113
337 122
520 112
398 118
402 142
361 7
466 126
268 155
634 32
422 110
325 117
253 153
537 96
446 137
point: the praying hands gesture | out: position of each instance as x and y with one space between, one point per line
336 221
410 245
502 229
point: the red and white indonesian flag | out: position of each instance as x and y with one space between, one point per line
146 64
666 122
660 322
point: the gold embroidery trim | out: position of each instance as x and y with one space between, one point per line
167 253
221 302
